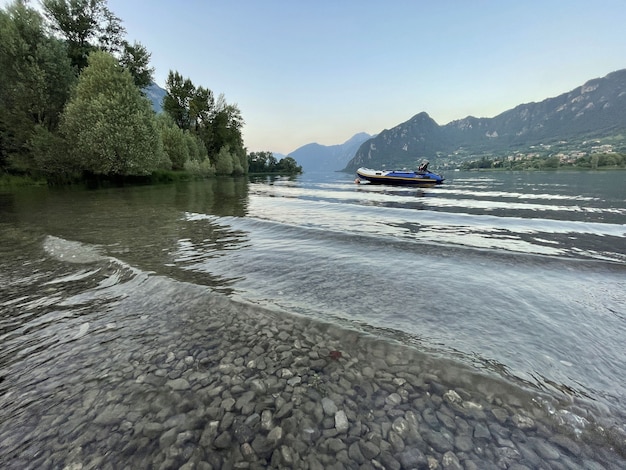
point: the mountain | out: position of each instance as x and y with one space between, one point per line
595 110
316 157
155 94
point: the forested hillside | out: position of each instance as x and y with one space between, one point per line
74 105
591 117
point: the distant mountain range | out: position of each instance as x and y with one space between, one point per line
316 157
155 94
594 110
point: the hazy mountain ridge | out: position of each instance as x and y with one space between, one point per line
155 94
595 109
317 157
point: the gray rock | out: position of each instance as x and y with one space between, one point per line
223 441
112 414
276 434
284 410
329 406
400 426
178 384
266 420
354 452
369 449
464 443
412 458
389 461
544 449
228 404
451 462
393 399
244 399
341 421
335 445
263 446
396 441
248 452
209 434
243 433
437 441
481 431
523 422
152 430
294 381
567 444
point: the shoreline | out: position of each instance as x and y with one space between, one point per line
214 383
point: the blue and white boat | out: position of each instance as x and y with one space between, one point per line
421 177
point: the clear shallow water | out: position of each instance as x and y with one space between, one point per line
520 275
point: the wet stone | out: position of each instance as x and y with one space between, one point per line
451 462
393 399
223 441
243 433
263 446
481 431
178 384
369 449
437 441
341 421
329 406
412 458
544 449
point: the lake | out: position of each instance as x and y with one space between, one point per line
312 322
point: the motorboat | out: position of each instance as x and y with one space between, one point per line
421 177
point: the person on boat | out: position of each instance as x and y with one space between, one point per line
422 168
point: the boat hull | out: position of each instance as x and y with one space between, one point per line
399 178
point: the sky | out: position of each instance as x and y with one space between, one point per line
324 70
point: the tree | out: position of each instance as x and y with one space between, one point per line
35 79
176 102
288 165
217 124
224 162
86 25
226 126
175 146
136 59
108 124
257 161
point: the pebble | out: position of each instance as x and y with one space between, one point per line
261 390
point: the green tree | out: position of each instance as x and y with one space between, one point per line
35 80
108 124
226 127
257 161
289 165
175 146
224 162
176 103
136 59
86 25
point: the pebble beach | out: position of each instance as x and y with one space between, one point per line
241 387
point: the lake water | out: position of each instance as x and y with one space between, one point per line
516 278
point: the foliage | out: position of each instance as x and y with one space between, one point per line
224 162
177 101
265 162
85 25
35 79
108 124
216 124
591 161
136 59
71 105
201 168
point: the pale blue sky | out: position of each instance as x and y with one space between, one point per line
323 70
